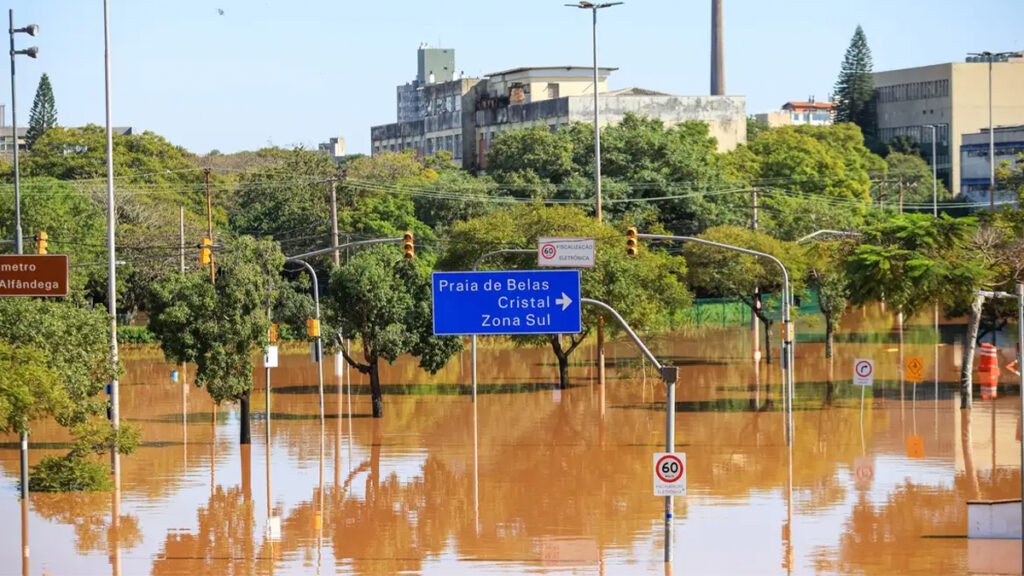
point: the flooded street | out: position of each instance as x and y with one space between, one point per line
534 479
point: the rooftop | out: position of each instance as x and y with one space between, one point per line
791 105
603 70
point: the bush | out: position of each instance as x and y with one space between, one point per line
70 473
135 335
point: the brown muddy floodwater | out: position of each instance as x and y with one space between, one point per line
539 480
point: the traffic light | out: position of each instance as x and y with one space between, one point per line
313 328
408 245
632 248
41 243
204 252
273 333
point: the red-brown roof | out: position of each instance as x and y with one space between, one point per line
808 106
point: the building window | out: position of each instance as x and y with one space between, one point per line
552 90
796 116
458 146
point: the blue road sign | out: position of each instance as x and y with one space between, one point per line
507 302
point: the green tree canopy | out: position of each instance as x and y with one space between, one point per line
912 260
221 327
809 177
719 272
911 174
384 300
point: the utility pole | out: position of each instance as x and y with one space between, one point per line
334 219
900 184
115 401
754 322
181 237
209 225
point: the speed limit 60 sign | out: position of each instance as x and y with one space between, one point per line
670 474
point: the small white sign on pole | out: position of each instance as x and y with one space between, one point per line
565 252
270 358
339 364
670 474
863 372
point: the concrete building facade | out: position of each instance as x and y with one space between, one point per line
464 115
974 163
955 98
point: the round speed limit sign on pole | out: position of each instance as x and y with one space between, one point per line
670 474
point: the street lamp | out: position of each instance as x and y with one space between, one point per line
990 57
33 52
935 172
597 130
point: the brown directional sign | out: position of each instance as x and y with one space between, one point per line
34 275
915 369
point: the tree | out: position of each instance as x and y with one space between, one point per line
43 115
913 178
912 260
288 203
720 272
904 145
855 88
384 300
646 290
826 272
220 327
809 177
55 361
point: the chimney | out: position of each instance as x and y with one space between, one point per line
717 50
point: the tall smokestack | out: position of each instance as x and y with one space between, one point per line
717 50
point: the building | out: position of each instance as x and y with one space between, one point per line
553 96
954 97
334 147
794 113
974 164
463 115
429 109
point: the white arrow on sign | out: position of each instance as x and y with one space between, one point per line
565 301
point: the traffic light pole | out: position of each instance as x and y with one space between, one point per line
318 341
788 356
334 249
476 265
669 374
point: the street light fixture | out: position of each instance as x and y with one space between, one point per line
991 57
597 130
33 52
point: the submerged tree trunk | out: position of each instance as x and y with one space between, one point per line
829 335
767 338
376 396
967 367
245 435
563 356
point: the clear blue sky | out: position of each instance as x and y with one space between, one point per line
297 72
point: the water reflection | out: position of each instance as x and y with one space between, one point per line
523 480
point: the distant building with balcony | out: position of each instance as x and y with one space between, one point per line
463 115
809 113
